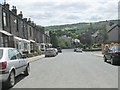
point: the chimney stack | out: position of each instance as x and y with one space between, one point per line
14 10
6 5
20 15
29 20
25 19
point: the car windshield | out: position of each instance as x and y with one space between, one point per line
118 48
59 48
1 53
48 49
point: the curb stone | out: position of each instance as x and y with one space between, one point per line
98 55
33 59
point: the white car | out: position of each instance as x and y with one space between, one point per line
50 52
78 50
56 51
12 63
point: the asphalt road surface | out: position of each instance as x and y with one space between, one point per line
70 70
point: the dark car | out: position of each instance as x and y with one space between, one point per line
75 49
113 54
59 49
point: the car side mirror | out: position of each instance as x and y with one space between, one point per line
109 50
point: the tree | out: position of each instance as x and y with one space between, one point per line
61 43
53 39
104 34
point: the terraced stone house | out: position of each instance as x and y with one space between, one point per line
19 32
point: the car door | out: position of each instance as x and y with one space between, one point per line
14 61
109 53
22 61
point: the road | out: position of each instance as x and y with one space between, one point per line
70 70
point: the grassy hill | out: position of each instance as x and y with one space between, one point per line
78 28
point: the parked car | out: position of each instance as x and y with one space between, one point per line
56 51
59 49
12 63
77 50
113 54
50 52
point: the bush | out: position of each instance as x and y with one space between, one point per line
95 49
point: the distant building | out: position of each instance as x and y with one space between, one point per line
97 38
86 37
68 40
113 31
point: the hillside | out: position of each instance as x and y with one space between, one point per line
75 27
79 28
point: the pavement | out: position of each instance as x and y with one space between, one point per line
35 58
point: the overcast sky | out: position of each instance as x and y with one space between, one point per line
58 12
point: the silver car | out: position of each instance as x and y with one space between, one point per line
50 52
56 51
77 50
12 63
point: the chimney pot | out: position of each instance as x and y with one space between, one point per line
29 20
25 19
14 10
20 15
20 12
6 5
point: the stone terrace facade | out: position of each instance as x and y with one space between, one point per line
19 32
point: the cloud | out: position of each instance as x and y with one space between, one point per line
72 17
52 12
96 17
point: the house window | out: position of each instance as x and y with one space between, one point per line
16 23
17 46
4 19
25 46
30 32
17 26
5 41
23 30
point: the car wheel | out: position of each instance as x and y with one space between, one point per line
11 79
105 60
112 61
27 70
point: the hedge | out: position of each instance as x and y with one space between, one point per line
95 49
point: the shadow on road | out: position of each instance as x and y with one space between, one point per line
18 79
117 64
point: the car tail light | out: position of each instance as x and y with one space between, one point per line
3 65
115 54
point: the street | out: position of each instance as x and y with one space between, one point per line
70 70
